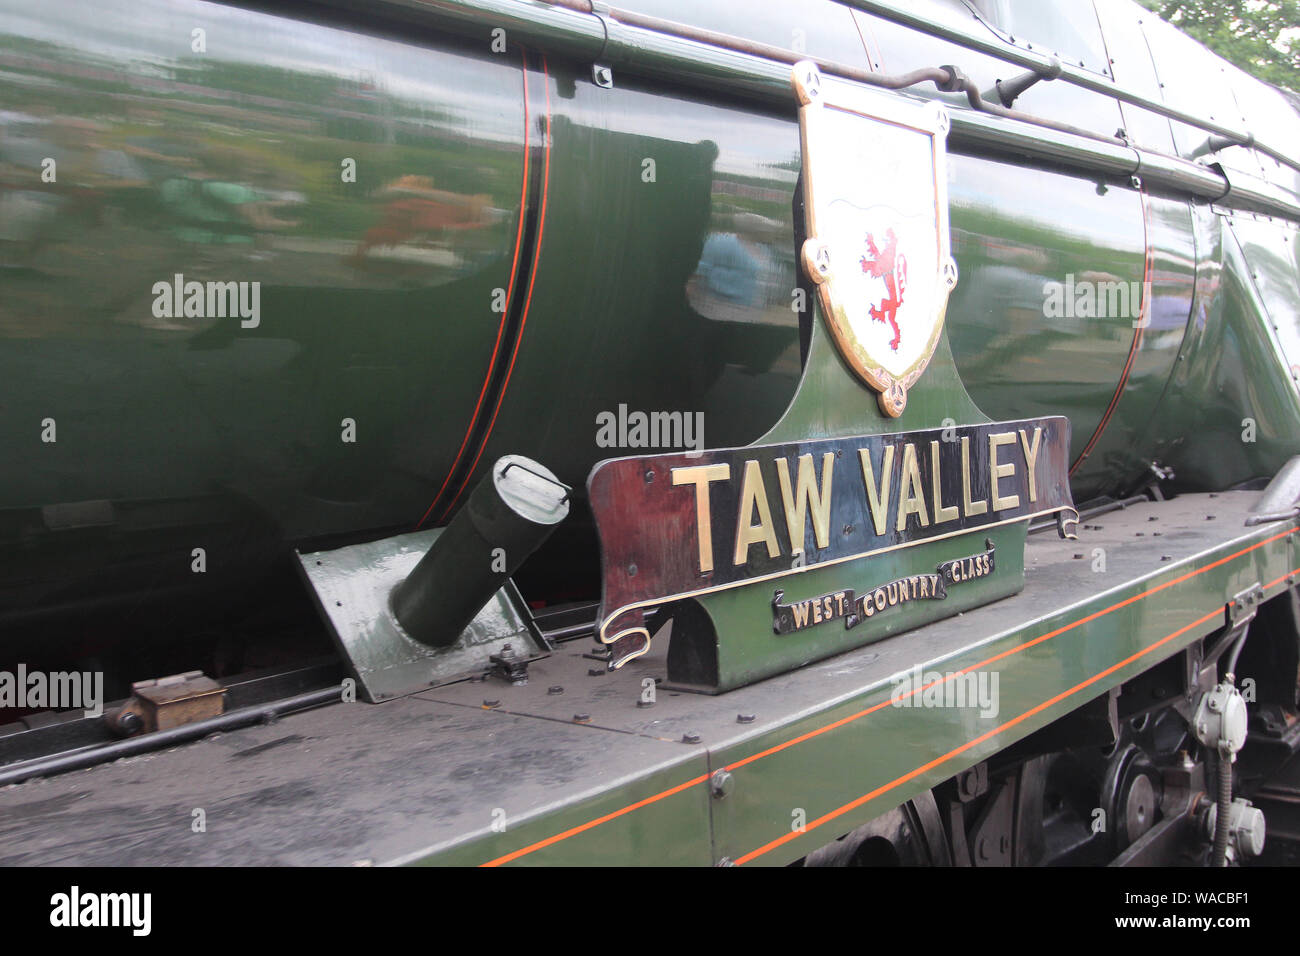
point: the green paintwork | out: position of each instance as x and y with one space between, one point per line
1229 390
352 588
840 762
181 430
640 837
742 618
377 306
831 403
921 737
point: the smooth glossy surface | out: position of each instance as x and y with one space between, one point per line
642 237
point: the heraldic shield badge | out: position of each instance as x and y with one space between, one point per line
875 183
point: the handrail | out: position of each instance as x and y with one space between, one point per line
663 49
1074 75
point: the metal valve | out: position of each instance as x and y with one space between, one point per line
1245 828
1221 719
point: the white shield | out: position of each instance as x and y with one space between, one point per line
875 185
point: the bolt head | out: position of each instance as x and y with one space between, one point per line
721 783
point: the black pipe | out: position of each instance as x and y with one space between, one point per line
512 510
1220 857
1230 672
49 766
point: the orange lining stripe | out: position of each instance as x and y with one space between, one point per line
532 280
912 774
1007 653
845 720
573 831
505 312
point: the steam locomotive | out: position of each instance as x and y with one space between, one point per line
309 311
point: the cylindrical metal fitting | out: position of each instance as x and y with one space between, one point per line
512 510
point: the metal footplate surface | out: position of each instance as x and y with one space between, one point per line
582 766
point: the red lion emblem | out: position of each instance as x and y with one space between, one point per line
892 267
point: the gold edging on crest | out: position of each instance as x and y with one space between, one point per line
816 257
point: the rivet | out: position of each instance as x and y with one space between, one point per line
745 718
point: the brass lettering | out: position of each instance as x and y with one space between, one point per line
809 499
879 502
996 471
753 493
970 508
1031 459
941 514
700 476
800 614
911 498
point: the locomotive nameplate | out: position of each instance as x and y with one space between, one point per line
854 608
682 525
875 189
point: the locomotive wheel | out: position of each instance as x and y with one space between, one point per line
909 835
